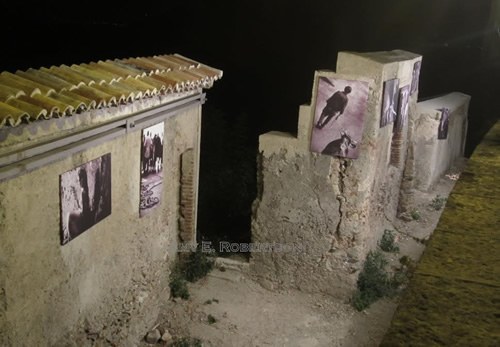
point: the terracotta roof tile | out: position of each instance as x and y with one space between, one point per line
12 115
76 100
117 70
46 79
65 90
8 92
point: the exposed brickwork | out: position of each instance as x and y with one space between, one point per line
396 148
187 197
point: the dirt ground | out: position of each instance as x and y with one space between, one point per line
227 308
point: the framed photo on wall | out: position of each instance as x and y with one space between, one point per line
339 107
389 102
151 168
415 76
85 194
402 116
443 124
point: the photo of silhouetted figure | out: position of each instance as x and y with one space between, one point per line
389 102
158 153
147 153
415 77
443 124
151 168
85 197
403 104
338 115
335 107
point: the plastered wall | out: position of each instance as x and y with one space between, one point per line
432 157
335 207
106 284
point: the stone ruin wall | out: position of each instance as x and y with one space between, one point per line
334 208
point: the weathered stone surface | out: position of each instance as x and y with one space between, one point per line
335 208
299 209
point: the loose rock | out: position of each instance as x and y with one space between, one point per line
166 337
153 336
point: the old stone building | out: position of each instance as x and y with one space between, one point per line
91 210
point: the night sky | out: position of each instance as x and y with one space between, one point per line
268 49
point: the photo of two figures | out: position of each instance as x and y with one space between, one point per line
338 116
151 167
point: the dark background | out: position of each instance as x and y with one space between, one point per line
268 50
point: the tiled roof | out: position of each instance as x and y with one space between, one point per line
65 90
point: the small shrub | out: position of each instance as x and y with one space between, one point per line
415 214
211 319
197 266
178 286
362 300
373 282
438 202
387 242
403 274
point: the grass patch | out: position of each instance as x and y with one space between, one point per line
387 242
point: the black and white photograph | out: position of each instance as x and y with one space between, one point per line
443 124
415 77
151 168
339 111
402 116
85 197
389 102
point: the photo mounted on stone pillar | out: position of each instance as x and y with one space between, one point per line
339 111
389 102
85 197
443 124
151 168
415 77
402 116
